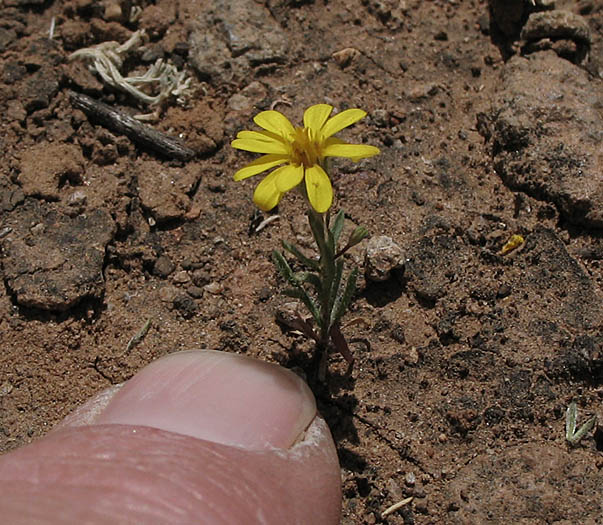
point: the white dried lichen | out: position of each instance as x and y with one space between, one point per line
162 78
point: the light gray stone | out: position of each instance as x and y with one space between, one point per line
382 257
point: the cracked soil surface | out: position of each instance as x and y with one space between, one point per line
490 123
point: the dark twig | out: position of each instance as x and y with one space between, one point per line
137 132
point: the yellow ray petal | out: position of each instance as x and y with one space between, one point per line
275 122
257 166
316 116
266 196
352 151
260 146
342 120
265 136
288 177
333 140
318 187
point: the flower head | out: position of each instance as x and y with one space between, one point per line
299 153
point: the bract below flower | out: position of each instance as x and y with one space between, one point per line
298 153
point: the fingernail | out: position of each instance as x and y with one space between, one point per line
216 396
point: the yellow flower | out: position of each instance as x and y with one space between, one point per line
299 153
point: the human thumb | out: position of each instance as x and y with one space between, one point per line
195 437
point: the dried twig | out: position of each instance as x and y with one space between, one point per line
124 124
138 336
395 507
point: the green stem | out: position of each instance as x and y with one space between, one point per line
318 225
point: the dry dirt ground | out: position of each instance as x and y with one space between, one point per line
490 123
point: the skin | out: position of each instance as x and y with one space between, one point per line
195 437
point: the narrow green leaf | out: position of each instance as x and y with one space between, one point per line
570 421
571 435
344 299
584 429
334 290
283 266
306 261
310 278
318 231
337 227
327 273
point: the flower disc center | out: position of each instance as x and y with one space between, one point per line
305 148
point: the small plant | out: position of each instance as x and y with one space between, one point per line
299 154
572 435
163 78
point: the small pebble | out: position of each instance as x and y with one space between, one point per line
195 291
382 257
380 117
504 290
167 294
214 288
345 56
181 277
163 266
410 479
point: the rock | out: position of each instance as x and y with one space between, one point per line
256 91
79 75
201 127
410 479
181 277
10 195
164 190
382 257
345 57
545 132
422 91
7 37
115 12
46 167
391 13
381 117
292 315
75 34
554 25
185 305
546 30
58 261
239 102
229 39
13 71
163 266
40 88
288 313
76 203
201 278
168 294
411 355
214 288
157 19
195 292
545 4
